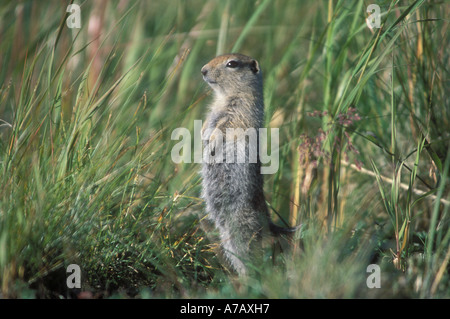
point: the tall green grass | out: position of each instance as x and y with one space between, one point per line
86 117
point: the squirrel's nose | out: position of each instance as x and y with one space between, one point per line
204 71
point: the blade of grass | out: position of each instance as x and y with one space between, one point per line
259 10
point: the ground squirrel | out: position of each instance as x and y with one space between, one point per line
233 189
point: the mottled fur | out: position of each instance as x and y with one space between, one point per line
233 192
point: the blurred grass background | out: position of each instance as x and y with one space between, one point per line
86 117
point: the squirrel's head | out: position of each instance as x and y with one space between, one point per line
232 74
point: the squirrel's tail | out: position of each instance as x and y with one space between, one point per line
278 230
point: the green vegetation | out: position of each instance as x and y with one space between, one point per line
86 175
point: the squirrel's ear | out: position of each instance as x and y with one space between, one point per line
254 66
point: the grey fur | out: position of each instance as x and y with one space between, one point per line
233 192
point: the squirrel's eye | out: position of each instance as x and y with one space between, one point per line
232 64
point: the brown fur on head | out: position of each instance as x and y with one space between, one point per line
233 74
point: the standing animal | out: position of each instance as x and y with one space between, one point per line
232 184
